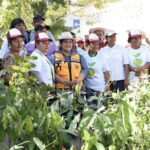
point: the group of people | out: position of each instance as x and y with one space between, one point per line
96 64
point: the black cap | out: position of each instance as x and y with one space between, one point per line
38 17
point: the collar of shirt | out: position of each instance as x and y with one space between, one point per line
72 52
37 50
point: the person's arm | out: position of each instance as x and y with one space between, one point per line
107 79
83 72
126 67
4 49
126 72
38 76
140 68
80 79
107 76
63 81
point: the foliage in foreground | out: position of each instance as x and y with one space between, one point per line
32 118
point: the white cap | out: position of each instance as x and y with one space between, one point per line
65 35
80 39
42 36
134 33
13 33
93 37
110 33
92 30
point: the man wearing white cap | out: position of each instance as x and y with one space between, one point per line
100 32
118 62
43 69
70 67
139 56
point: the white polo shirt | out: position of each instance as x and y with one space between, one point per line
97 66
43 66
116 58
138 57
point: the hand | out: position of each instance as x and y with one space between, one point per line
74 82
138 70
67 82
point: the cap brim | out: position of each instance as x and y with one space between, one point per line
111 34
80 41
44 40
65 39
93 41
135 36
13 37
92 30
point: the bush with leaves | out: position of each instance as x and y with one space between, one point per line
24 113
33 118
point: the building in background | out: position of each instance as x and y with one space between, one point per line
119 16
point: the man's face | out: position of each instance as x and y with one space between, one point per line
21 27
67 45
16 44
37 22
111 39
135 41
100 34
94 46
80 44
43 46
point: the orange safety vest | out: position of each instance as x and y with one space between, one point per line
66 71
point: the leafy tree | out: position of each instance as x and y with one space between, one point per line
53 10
97 3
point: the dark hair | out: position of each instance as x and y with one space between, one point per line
15 22
129 39
10 40
39 28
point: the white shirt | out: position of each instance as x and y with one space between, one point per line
5 49
96 67
80 51
116 58
138 57
44 67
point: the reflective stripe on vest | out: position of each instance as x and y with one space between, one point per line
66 71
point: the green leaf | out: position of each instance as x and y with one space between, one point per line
86 135
28 124
2 133
74 123
14 67
23 69
99 146
33 57
15 147
39 143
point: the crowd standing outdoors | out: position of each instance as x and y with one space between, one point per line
92 63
